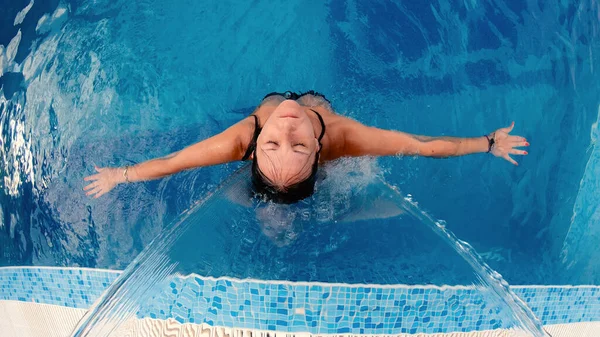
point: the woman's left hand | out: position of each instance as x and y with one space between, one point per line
505 144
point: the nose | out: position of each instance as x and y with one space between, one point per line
287 129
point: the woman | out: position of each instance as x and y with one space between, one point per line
287 137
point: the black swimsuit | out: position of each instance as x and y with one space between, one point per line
287 95
296 96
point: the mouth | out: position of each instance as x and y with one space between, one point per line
288 114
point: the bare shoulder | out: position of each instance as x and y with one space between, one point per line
338 124
241 133
338 129
263 112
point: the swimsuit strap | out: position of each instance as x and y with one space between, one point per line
286 95
322 125
296 96
252 145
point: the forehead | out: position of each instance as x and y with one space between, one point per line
279 165
288 159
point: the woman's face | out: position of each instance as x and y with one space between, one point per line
286 146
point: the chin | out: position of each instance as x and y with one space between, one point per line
293 109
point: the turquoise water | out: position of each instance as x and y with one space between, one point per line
170 277
112 83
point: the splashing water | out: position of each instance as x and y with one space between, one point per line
488 276
105 83
71 89
192 247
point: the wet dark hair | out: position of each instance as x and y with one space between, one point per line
289 194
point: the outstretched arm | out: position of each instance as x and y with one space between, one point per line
222 148
361 140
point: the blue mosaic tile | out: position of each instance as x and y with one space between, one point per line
305 307
334 309
74 288
556 305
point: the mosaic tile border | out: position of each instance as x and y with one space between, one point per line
562 304
68 287
321 308
318 308
23 319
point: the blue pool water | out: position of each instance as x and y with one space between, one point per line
118 82
214 238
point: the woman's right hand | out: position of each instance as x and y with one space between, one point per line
103 181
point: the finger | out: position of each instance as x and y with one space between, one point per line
100 193
93 191
518 152
516 139
92 177
509 128
99 169
90 186
519 144
507 157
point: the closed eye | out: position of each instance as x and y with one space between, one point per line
300 144
273 142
